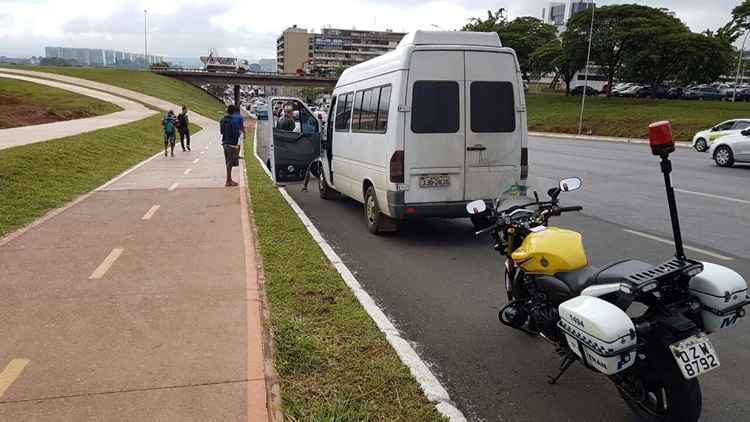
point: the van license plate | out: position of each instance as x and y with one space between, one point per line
434 181
695 356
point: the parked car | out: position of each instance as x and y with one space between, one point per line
731 149
704 93
631 91
675 93
262 114
742 94
619 88
590 92
705 138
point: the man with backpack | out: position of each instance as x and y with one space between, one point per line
168 123
184 127
231 126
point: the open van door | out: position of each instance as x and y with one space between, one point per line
295 139
434 140
494 123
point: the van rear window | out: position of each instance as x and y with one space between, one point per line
492 107
435 107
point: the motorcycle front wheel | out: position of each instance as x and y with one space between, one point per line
656 391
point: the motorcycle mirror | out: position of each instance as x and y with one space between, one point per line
570 184
476 207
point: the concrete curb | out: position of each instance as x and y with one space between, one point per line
420 370
680 144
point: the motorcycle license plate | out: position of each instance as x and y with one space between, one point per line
434 180
695 356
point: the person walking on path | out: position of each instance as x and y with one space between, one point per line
231 126
168 123
184 127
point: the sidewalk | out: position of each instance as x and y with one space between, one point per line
140 302
131 111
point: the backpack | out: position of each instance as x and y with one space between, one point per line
168 125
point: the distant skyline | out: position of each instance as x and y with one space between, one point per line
189 28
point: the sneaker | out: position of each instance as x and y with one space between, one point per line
165 153
172 153
189 148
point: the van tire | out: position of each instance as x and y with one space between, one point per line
326 192
377 222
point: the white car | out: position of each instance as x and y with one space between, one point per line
731 149
705 138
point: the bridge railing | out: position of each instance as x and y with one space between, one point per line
201 72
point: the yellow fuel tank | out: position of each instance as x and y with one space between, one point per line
551 250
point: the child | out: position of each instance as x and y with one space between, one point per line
169 122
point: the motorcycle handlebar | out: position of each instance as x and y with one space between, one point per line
570 209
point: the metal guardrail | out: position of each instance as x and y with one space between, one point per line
178 71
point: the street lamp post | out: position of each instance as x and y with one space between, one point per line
739 66
586 78
145 37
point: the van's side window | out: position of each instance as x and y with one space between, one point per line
367 118
435 107
492 107
344 112
357 111
385 99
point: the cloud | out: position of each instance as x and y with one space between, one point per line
249 28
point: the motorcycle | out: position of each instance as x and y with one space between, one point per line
654 358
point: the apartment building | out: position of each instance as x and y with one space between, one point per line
326 52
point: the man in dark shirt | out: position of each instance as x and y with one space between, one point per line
231 125
183 124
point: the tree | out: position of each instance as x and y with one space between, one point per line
703 59
563 56
524 34
621 31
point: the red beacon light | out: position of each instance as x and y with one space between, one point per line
660 138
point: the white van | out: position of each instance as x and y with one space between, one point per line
426 128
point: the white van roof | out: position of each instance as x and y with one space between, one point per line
398 59
487 39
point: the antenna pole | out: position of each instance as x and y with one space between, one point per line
666 169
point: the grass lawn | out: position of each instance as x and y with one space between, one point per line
25 103
145 82
628 117
38 177
333 362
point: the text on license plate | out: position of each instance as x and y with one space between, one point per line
434 180
695 356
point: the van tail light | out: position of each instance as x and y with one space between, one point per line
524 163
397 167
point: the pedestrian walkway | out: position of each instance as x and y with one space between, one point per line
140 302
131 111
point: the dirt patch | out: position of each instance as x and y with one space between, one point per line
15 113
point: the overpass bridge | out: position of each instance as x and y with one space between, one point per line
199 77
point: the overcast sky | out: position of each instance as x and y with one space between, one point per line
188 28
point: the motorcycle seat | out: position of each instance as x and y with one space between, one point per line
589 275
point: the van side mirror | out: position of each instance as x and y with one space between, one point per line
745 132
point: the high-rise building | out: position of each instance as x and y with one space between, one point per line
558 13
326 52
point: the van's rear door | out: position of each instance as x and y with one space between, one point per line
494 132
434 141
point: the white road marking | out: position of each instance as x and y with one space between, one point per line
196 160
106 264
10 373
691 248
150 213
710 195
174 186
433 390
187 172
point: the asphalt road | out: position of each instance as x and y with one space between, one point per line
443 286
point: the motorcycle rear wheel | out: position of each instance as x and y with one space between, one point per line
661 393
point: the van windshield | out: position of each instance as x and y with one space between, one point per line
492 107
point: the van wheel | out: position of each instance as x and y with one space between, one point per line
377 222
325 191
